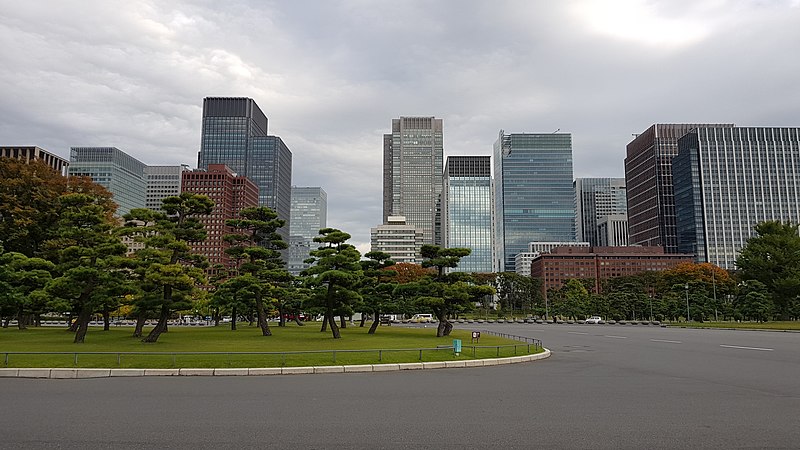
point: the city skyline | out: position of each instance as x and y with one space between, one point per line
606 71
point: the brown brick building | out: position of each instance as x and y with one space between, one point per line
231 193
600 263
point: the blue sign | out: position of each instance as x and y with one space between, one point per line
456 346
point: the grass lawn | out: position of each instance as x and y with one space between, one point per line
291 338
788 325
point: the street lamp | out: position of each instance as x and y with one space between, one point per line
686 286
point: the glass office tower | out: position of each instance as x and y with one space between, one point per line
534 196
162 182
234 133
467 211
728 179
309 214
596 198
115 170
412 174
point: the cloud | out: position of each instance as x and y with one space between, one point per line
331 75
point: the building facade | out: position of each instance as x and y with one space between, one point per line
612 230
467 210
231 193
413 158
729 179
534 196
648 178
115 170
562 264
234 133
162 182
309 213
33 153
401 241
596 198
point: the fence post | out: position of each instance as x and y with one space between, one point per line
76 359
334 356
498 351
420 354
283 359
380 355
173 360
119 360
474 351
6 359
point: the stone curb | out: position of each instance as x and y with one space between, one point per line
67 373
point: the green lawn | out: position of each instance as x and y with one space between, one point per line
247 339
788 325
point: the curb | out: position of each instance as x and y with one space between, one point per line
67 373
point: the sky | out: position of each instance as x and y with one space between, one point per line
331 75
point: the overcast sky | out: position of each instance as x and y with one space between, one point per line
331 75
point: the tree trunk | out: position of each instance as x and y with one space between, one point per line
363 320
324 323
83 324
140 319
216 317
343 321
106 318
6 320
281 316
375 322
160 327
262 317
297 319
334 329
445 327
233 319
21 318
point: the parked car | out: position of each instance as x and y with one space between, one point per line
421 318
594 319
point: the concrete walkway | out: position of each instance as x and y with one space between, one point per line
62 373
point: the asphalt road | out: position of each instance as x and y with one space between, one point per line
604 387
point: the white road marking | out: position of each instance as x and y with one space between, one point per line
668 342
748 348
616 337
575 332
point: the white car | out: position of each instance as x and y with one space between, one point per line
594 319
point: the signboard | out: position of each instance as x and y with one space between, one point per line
476 336
457 346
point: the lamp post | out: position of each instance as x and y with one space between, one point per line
686 286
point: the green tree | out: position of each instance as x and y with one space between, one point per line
516 291
262 274
376 287
168 268
22 282
753 301
772 257
89 255
335 276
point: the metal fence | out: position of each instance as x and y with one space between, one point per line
378 353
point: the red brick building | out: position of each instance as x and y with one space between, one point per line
231 193
600 263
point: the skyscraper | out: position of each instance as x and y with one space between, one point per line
729 179
401 241
412 174
162 182
648 177
534 196
235 134
231 193
467 210
309 214
117 171
596 198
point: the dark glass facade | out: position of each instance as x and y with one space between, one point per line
234 133
648 178
534 195
728 179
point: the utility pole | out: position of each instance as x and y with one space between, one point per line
686 286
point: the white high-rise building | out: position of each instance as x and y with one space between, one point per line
397 238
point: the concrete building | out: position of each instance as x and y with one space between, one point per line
599 263
309 213
596 198
234 133
413 159
231 193
117 171
728 179
31 153
467 211
648 177
534 196
612 230
400 240
162 182
522 262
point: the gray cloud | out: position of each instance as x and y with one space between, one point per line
332 75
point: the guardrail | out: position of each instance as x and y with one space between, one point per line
534 341
379 353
